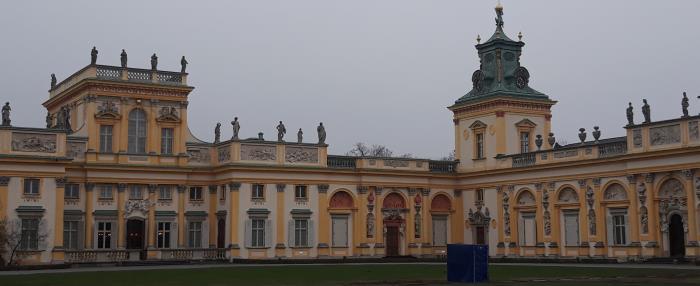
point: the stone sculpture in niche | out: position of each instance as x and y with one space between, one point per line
29 142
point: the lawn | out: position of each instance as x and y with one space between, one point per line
413 274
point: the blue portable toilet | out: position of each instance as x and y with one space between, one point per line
467 263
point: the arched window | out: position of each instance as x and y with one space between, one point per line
341 200
568 195
440 203
615 192
137 131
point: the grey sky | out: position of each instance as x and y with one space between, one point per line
373 71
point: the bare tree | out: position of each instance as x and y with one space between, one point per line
449 157
13 239
360 149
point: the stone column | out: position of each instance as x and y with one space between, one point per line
600 238
233 215
323 221
692 239
4 181
554 246
379 247
181 228
539 216
151 233
362 246
426 236
653 238
584 226
634 217
121 219
89 221
280 222
58 249
211 216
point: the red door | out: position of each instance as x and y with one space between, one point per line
392 241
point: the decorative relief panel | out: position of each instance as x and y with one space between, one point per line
526 198
615 192
76 150
224 154
301 154
258 152
565 154
665 135
693 131
199 155
32 142
568 195
396 163
637 138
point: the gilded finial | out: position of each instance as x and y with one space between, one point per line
520 36
499 16
499 7
478 39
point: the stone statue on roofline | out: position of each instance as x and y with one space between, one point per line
6 114
281 130
53 80
300 136
685 104
93 56
217 133
123 58
154 62
183 63
321 133
236 127
630 115
646 110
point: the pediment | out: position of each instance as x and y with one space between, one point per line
525 123
478 125
168 114
107 114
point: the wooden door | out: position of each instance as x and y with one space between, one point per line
392 241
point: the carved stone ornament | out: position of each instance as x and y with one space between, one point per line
168 113
568 195
258 152
137 205
596 133
417 225
526 199
589 197
693 131
506 213
665 135
395 163
301 154
108 109
478 81
522 77
224 154
479 217
198 155
234 186
33 142
644 219
641 193
615 192
547 223
370 225
591 222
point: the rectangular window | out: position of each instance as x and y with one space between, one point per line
300 192
571 229
104 235
440 231
135 192
222 194
106 192
30 234
166 141
524 142
528 235
301 232
72 191
480 145
70 234
619 229
479 195
340 231
195 193
163 236
106 138
31 187
165 192
195 234
258 191
258 233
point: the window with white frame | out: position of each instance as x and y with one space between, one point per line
135 192
301 232
106 139
137 131
257 233
527 229
104 235
30 234
339 231
618 232
165 192
106 192
196 194
300 192
163 235
440 231
166 141
479 145
71 234
258 191
195 234
31 187
71 191
524 142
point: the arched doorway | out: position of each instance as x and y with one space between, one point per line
676 236
135 229
393 208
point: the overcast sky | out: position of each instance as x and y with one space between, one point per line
374 71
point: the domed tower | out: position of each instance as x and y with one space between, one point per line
501 114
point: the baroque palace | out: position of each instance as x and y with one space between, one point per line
116 175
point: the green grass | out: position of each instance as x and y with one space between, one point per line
354 275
